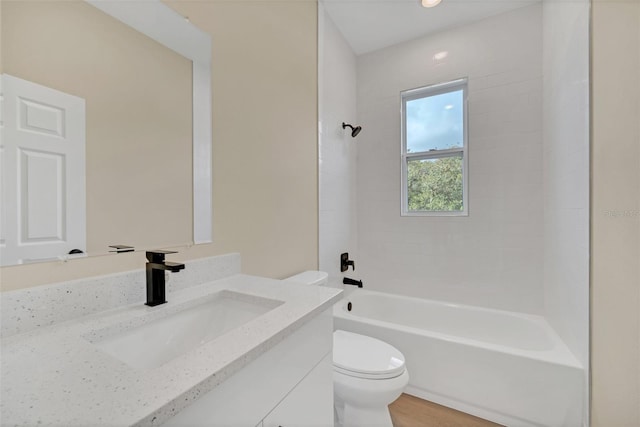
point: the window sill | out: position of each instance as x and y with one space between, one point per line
436 214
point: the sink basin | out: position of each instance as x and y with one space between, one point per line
164 336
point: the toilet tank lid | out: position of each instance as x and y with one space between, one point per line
310 277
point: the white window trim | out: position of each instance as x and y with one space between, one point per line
422 92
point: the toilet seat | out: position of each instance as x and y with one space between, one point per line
361 356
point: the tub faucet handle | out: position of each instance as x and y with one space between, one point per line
345 262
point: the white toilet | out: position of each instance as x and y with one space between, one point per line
368 374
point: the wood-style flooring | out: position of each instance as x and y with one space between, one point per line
410 411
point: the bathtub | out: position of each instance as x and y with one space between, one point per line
506 367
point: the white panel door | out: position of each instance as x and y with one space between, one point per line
42 150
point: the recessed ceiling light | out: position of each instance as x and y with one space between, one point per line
440 55
448 107
430 3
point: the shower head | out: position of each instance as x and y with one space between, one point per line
354 130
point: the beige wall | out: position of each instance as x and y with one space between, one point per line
264 85
138 116
615 213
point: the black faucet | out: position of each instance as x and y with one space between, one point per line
155 276
347 281
345 262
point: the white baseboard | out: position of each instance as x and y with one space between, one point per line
496 417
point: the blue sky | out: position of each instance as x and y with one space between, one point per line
435 122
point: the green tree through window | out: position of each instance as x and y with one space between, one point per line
435 185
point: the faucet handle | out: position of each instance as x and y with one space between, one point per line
345 262
157 255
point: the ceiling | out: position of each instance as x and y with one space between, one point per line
369 25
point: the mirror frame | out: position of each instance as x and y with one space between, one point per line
164 25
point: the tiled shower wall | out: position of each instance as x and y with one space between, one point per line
337 150
566 172
493 257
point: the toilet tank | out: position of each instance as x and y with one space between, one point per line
311 277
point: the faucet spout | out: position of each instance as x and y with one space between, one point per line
155 268
173 267
347 281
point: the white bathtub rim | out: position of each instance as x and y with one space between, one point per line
558 355
528 316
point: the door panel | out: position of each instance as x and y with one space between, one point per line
43 172
41 193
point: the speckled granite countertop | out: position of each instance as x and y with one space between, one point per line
55 376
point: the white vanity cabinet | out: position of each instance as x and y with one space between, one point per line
275 367
310 403
289 385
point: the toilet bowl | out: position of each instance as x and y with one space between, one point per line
368 374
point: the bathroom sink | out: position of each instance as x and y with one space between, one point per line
164 336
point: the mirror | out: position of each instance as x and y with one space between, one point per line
107 136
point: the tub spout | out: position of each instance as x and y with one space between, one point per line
353 282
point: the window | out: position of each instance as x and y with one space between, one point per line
434 150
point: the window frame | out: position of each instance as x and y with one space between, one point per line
425 92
